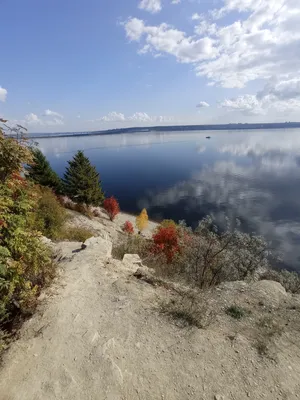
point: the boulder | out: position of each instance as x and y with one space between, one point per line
102 246
271 293
133 259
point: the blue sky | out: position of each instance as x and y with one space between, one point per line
94 64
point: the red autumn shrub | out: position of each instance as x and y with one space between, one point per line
128 228
112 207
166 241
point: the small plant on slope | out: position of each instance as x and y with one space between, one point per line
112 207
236 312
142 220
128 228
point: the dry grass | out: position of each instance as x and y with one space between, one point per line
74 234
131 244
84 209
187 311
268 329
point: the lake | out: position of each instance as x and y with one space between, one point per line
250 175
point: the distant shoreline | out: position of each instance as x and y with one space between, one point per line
172 128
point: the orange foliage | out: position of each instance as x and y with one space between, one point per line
112 207
166 241
128 228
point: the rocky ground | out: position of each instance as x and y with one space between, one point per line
102 332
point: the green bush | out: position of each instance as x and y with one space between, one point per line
24 259
50 216
25 263
208 257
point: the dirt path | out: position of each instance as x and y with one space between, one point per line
98 336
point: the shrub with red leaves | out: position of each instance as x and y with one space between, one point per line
128 228
166 241
112 207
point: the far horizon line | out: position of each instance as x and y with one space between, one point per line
204 127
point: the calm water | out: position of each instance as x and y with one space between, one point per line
253 175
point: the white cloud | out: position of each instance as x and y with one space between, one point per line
165 39
113 117
3 94
284 90
247 104
202 104
141 117
278 96
262 42
205 27
49 113
134 28
153 6
196 17
32 119
136 117
175 1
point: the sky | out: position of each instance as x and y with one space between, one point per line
85 65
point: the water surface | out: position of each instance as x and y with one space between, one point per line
252 175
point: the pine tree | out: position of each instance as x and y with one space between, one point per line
41 172
82 182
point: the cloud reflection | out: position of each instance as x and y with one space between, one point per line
265 195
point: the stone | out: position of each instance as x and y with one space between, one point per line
132 259
101 245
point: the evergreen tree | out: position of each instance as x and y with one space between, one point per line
82 181
41 172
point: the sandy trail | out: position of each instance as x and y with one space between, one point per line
98 335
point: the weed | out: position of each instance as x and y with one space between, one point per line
187 311
269 327
262 347
236 312
268 330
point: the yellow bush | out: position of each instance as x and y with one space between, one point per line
142 220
